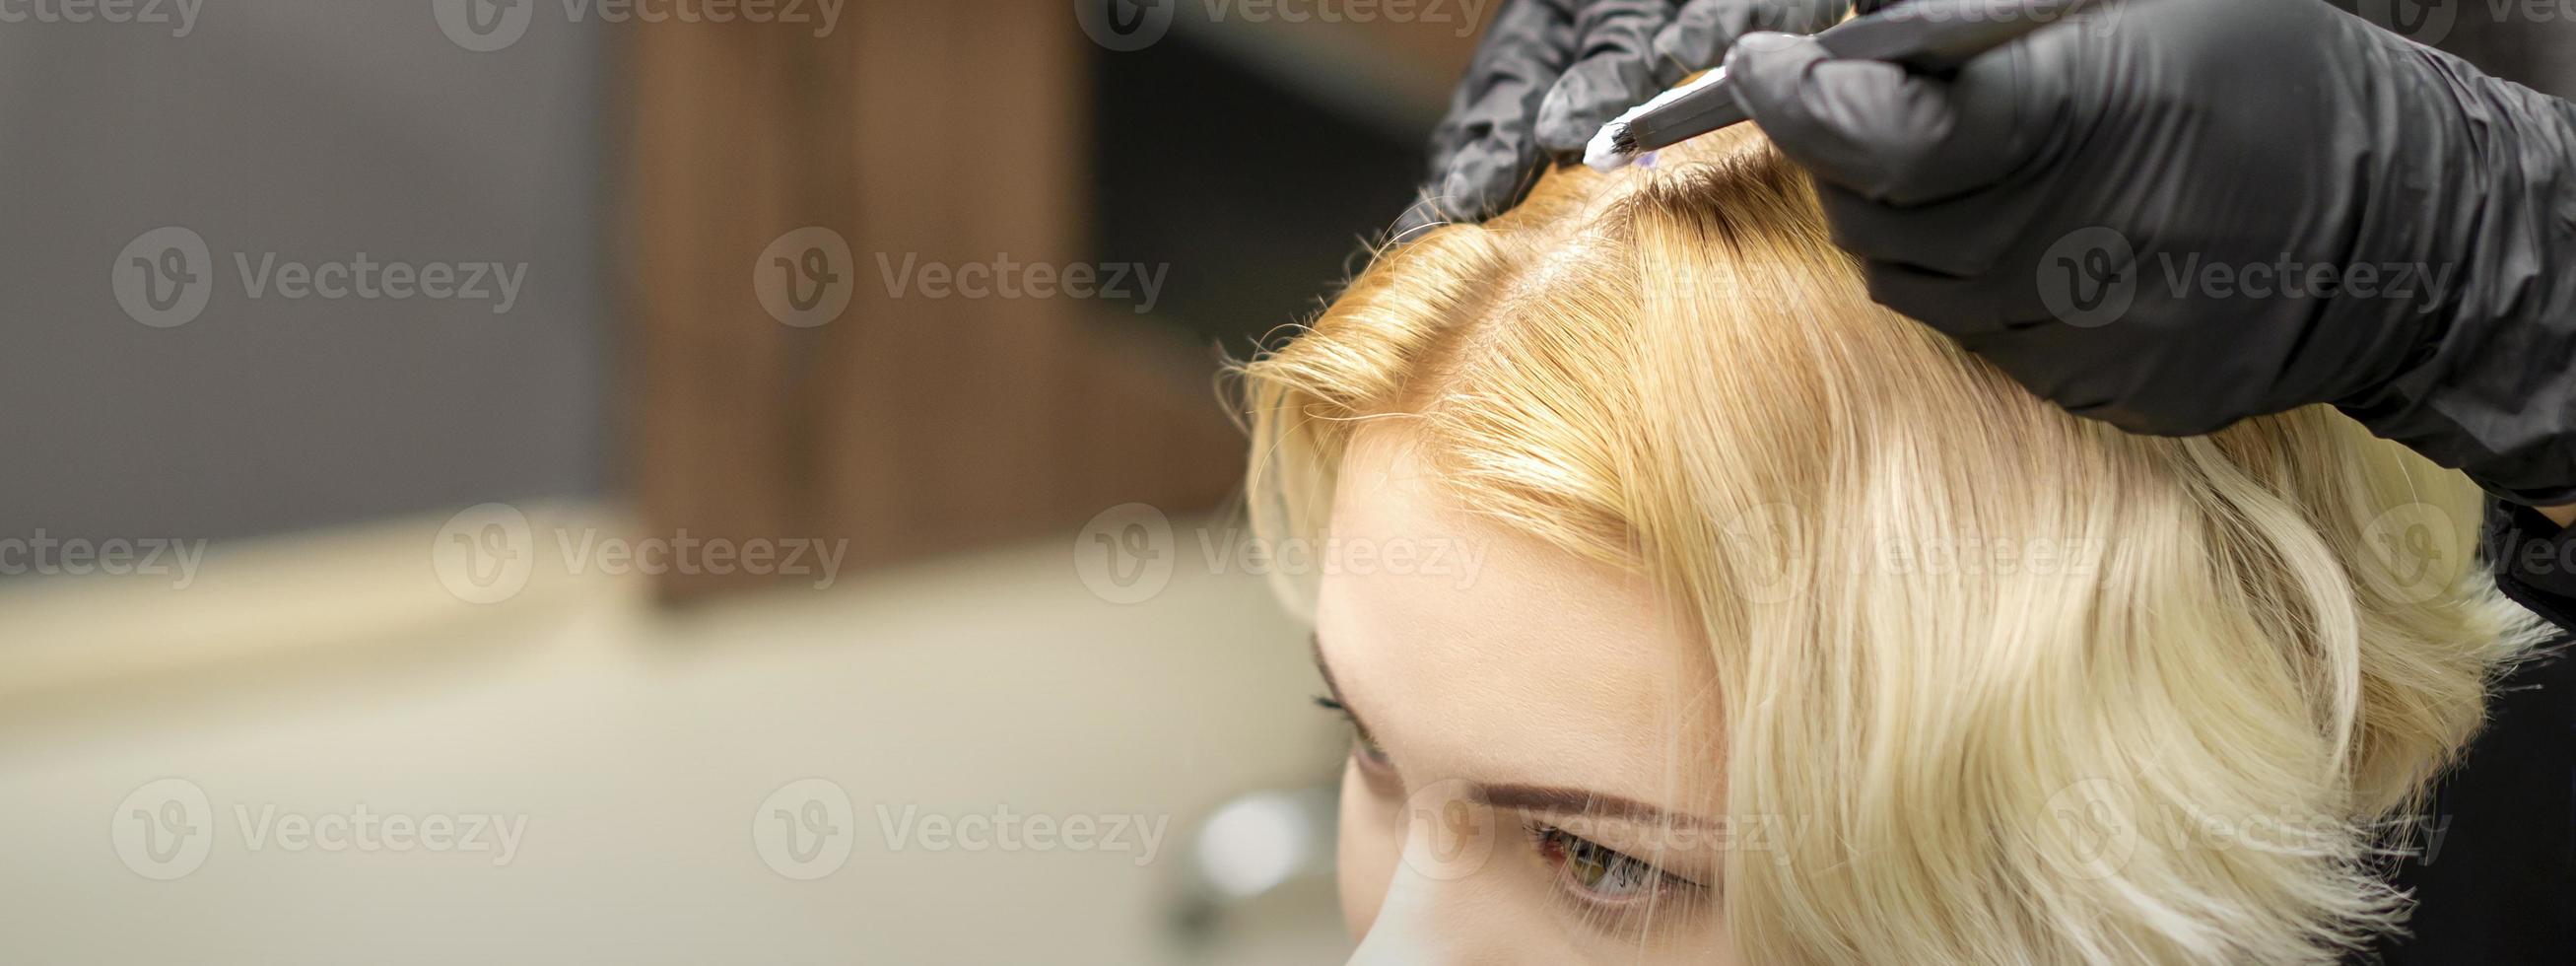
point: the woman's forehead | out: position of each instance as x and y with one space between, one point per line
1522 665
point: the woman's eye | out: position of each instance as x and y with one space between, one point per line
1597 871
1604 871
1369 750
1362 744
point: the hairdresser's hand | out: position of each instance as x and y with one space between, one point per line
2179 213
1549 73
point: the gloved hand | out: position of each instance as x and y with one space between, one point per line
1549 73
2179 213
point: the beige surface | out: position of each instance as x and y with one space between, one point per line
320 675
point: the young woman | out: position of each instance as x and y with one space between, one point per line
1798 635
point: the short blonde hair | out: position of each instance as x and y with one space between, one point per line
2281 625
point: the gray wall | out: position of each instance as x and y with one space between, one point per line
314 131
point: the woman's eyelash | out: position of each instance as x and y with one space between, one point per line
1367 743
1600 869
1595 874
1326 702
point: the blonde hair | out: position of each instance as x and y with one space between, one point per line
2279 626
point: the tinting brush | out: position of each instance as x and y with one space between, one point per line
1931 36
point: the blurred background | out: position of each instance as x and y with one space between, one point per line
682 480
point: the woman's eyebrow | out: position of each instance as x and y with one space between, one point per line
1570 801
1531 798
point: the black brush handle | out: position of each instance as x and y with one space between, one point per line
1939 36
1932 36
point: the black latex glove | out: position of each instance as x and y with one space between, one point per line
2040 205
1549 73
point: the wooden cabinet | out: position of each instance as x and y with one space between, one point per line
947 133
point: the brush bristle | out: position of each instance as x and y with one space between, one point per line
1611 149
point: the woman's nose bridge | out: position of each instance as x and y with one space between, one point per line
1426 918
1407 929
